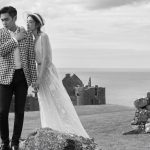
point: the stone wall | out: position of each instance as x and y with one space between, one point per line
90 95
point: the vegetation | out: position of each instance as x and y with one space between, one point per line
105 123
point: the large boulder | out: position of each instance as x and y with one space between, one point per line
48 139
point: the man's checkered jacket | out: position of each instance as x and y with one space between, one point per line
27 55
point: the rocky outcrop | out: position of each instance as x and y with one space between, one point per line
48 139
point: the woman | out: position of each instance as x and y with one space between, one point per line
56 109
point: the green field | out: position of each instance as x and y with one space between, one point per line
105 123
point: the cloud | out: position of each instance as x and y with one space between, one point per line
106 4
99 4
4 2
54 9
77 26
48 8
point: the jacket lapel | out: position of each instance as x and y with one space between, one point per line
6 34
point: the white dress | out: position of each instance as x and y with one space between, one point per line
56 109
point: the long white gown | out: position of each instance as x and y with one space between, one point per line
56 109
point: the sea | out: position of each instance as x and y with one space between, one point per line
123 86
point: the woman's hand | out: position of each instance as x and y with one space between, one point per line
22 29
36 85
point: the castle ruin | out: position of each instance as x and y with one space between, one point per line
83 95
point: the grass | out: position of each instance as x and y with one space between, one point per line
105 123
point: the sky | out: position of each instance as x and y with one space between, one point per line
93 33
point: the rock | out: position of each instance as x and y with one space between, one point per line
48 139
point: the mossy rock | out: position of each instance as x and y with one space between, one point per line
48 139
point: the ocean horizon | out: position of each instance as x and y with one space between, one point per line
122 85
106 69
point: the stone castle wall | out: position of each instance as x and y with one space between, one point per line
90 95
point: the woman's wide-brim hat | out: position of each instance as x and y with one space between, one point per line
37 15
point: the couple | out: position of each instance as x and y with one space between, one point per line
20 50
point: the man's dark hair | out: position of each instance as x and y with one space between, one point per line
10 10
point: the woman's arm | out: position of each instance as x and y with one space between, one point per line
46 56
8 45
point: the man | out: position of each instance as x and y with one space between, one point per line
17 73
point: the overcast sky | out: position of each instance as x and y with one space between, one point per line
93 33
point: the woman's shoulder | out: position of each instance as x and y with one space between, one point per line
44 35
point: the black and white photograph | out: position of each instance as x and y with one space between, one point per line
74 75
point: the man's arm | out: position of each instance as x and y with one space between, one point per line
7 47
31 59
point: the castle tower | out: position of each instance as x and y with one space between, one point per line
89 83
101 95
79 93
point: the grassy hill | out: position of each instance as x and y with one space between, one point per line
105 123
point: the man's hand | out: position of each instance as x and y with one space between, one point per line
36 85
20 35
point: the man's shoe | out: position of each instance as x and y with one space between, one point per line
5 147
15 147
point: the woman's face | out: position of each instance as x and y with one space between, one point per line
31 24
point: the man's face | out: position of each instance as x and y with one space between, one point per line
7 21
